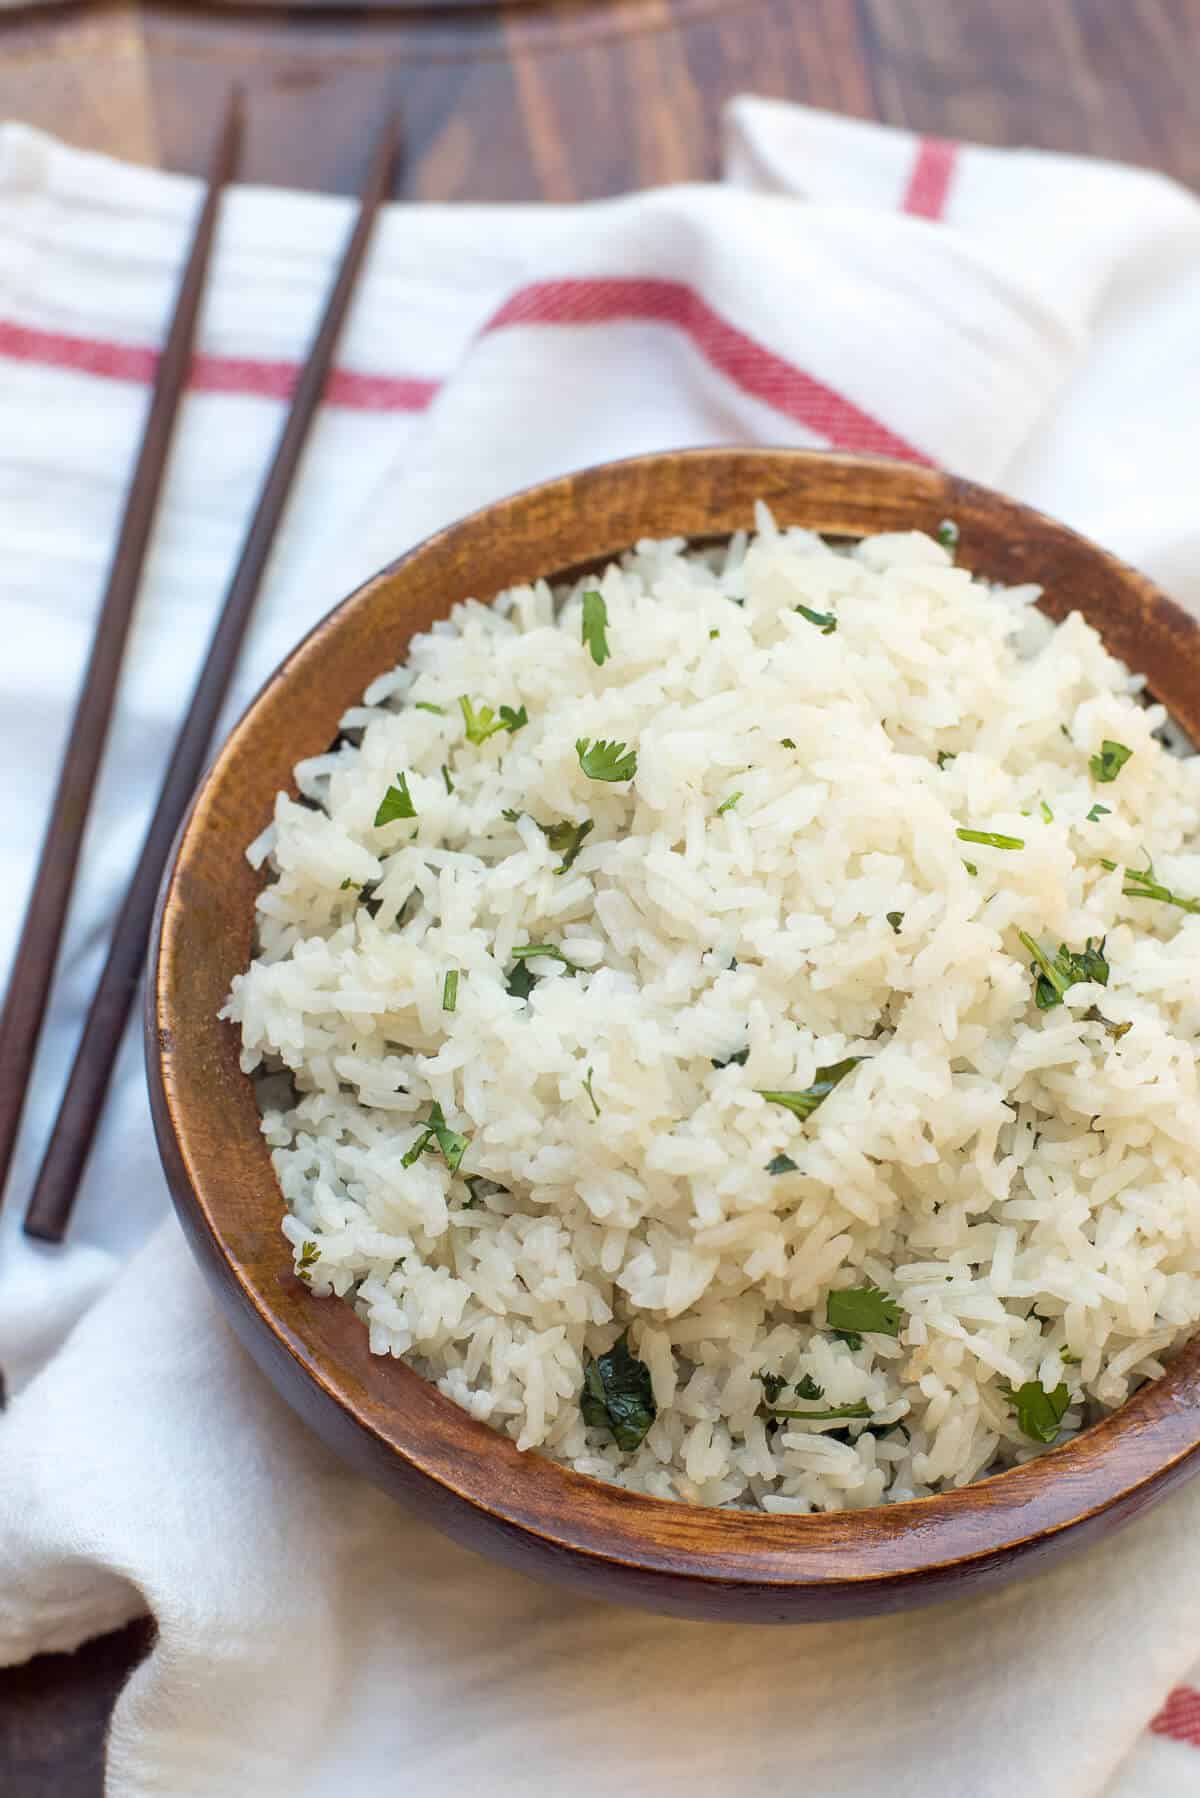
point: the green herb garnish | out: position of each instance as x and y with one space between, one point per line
595 623
895 919
566 839
310 1254
712 635
991 838
450 990
1097 812
727 805
480 1188
825 621
396 803
787 742
348 885
1047 814
427 705
860 1409
587 1087
603 760
1067 969
947 534
484 723
806 1387
436 1131
524 952
618 1395
863 1308
772 1384
1040 1413
1110 761
945 756
1140 883
803 1104
972 870
447 779
781 1164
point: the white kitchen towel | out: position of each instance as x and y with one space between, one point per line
1028 320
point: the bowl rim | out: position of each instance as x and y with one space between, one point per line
468 1475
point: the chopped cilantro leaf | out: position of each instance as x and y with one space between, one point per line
1097 812
484 723
825 621
803 1104
1047 814
806 1387
348 885
895 919
1040 1413
1110 761
727 805
787 742
307 1259
618 1395
972 870
595 624
566 839
427 705
944 757
1067 969
447 779
436 1131
603 760
863 1308
396 803
781 1164
772 1384
991 838
713 634
450 990
521 981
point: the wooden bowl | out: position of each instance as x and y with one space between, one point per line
377 1413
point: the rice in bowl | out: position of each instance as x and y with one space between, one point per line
676 1084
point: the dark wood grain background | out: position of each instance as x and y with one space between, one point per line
559 100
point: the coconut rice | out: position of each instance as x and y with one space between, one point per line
777 888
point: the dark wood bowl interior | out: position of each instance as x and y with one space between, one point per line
377 1413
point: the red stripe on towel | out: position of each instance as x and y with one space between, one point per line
1180 1717
210 374
932 173
748 364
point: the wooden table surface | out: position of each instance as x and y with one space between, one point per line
560 100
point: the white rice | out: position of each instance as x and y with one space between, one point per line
1023 1183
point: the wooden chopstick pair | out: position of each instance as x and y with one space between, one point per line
70 1141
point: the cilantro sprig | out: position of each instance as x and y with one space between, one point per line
1040 1413
484 723
852 1309
1068 968
603 760
1141 883
992 838
435 1132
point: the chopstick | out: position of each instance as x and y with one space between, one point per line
70 1142
50 896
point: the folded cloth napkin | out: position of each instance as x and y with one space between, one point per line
1025 319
